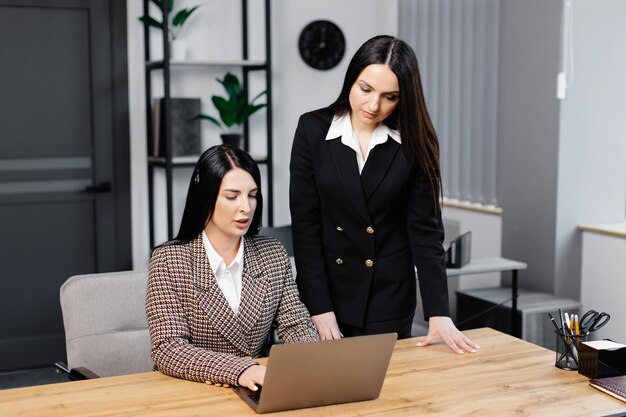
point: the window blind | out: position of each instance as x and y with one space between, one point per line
456 42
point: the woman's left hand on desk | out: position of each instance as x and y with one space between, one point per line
440 326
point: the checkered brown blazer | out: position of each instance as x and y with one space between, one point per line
194 333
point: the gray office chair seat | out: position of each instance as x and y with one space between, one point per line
104 316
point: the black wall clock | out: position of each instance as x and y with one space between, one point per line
322 44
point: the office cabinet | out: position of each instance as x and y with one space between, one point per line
485 308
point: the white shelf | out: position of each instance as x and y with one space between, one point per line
175 159
210 63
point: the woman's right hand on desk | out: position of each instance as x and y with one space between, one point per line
252 377
326 325
444 328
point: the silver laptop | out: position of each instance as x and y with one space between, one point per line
302 375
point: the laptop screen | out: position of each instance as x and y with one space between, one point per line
303 375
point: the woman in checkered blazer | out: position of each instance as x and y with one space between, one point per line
215 290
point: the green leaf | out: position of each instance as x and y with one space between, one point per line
249 111
170 6
227 111
150 21
229 116
209 118
182 16
258 96
235 108
220 103
232 86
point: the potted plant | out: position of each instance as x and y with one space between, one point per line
176 23
233 110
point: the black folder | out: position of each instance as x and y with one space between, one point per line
459 253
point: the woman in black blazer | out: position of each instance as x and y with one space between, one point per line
365 204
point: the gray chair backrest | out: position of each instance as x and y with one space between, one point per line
105 322
282 234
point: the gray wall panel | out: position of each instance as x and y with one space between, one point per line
528 135
43 245
49 112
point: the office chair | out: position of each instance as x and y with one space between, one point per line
106 331
282 234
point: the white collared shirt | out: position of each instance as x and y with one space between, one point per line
228 277
342 127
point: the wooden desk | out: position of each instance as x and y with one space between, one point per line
486 265
508 377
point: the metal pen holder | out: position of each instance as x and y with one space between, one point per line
567 350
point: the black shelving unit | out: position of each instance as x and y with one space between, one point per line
166 66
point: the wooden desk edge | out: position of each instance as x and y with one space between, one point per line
156 394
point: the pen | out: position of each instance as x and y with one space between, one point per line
556 326
567 327
571 324
559 332
561 316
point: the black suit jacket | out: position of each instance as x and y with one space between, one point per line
358 237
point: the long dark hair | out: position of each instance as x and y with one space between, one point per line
420 144
204 188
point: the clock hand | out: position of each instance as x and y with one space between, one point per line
323 35
317 47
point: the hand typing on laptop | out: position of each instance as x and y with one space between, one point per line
252 377
328 372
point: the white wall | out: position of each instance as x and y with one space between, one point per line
215 33
300 88
561 162
138 150
528 114
603 281
592 144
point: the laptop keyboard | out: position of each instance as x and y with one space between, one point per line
255 395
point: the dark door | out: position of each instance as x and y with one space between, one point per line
63 167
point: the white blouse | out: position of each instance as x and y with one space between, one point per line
341 127
228 277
